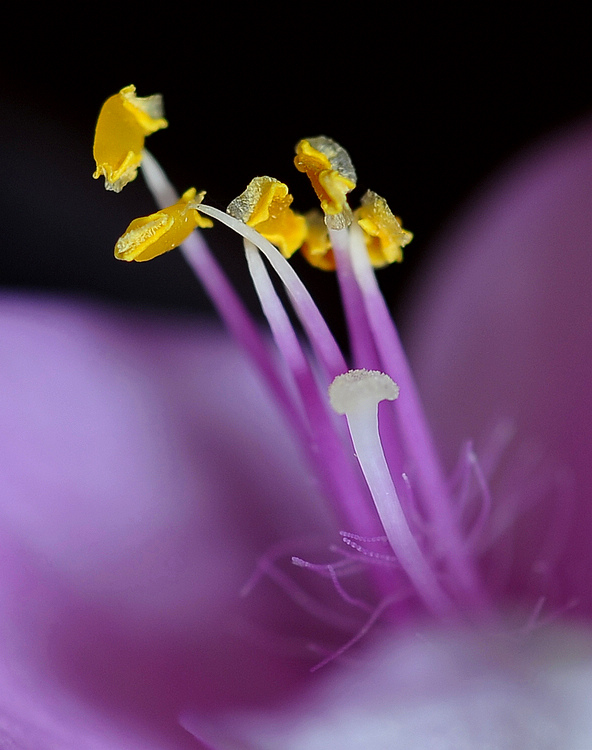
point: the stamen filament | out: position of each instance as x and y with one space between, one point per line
480 522
414 428
223 296
362 346
318 332
364 350
279 323
325 447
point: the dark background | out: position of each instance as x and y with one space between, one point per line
427 98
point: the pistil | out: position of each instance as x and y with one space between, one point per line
356 394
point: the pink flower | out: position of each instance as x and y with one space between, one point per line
146 472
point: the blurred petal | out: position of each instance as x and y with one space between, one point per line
144 471
436 691
502 330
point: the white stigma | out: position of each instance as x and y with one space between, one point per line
357 394
361 388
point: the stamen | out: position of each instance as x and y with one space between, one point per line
332 175
357 395
418 442
325 447
150 236
385 237
124 122
317 246
279 322
318 332
364 353
265 204
225 299
363 350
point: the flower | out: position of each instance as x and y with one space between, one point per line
130 524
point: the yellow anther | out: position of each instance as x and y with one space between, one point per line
317 246
265 205
332 175
150 236
384 235
124 122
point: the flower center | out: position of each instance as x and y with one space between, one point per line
392 485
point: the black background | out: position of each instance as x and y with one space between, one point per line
427 98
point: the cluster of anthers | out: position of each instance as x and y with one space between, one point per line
412 527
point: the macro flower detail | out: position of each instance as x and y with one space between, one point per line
395 493
331 174
317 247
150 236
265 204
356 394
385 237
124 122
263 543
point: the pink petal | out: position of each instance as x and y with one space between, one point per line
502 329
144 471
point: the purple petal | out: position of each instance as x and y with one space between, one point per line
144 471
503 331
